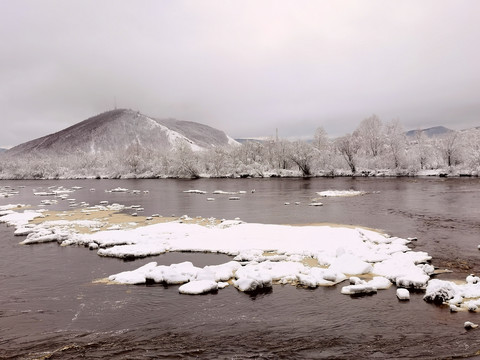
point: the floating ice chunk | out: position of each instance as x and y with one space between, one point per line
135 276
247 284
198 287
44 193
315 204
440 291
454 308
417 281
403 294
11 206
210 199
359 289
233 198
118 189
194 191
335 193
469 325
43 236
472 279
20 219
472 305
24 230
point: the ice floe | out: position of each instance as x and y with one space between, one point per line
469 325
403 294
340 193
198 287
263 254
117 189
201 192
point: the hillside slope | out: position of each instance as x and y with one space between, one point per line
115 130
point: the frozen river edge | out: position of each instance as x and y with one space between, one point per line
264 255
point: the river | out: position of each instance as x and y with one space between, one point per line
50 307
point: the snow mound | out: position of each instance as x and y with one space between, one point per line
439 291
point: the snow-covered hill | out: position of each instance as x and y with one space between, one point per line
116 130
430 132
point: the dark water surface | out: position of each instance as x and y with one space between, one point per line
49 306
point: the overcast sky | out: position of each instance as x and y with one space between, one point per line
245 67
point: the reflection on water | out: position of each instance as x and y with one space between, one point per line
49 305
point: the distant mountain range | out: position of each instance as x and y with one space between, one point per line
430 132
115 130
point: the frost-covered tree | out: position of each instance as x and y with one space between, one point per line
217 161
134 158
302 154
184 161
348 146
323 145
281 154
472 148
449 148
320 139
370 132
422 147
395 142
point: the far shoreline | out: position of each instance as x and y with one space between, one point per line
362 174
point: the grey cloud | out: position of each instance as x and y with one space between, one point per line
245 67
